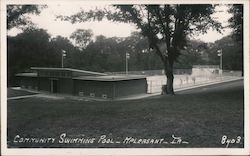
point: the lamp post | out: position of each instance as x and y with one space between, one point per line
63 55
127 57
220 54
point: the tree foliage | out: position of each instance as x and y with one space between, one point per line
236 21
34 47
193 54
165 26
232 53
82 37
16 14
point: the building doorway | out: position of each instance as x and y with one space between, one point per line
54 86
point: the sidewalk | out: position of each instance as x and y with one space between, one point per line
140 96
209 83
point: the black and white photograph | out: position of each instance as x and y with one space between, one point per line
125 77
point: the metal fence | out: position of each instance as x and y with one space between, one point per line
183 81
153 72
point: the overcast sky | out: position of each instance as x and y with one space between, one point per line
46 20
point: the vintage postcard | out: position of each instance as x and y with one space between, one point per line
141 77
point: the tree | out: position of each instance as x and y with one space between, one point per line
165 26
27 49
232 53
59 43
82 37
104 54
193 54
236 23
16 14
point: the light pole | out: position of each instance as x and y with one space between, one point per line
220 54
127 57
63 55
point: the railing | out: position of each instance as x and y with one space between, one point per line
152 72
183 81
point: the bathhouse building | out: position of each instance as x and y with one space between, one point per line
82 83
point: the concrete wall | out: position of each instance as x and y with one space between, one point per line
130 87
28 82
65 86
202 71
44 84
112 89
99 88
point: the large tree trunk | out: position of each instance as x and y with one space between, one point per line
169 89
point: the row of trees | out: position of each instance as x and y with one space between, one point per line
166 26
163 28
35 47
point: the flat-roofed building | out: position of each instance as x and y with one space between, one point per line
110 86
83 83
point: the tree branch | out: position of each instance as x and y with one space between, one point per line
147 32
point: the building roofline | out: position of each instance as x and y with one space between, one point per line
110 78
27 74
67 69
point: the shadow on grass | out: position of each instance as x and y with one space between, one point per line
199 117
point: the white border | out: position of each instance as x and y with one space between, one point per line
121 151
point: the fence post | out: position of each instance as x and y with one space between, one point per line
151 86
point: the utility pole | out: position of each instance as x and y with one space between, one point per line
220 54
63 55
127 57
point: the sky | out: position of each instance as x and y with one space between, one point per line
46 20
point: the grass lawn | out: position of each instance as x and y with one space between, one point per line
200 116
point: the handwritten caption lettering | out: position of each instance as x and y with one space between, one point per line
227 141
103 139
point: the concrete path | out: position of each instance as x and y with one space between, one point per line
207 84
181 89
141 96
21 97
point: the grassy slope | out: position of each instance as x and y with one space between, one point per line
199 117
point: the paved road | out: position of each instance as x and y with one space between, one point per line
237 84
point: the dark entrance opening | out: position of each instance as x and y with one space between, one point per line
54 86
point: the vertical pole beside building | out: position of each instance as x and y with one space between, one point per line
63 55
127 57
221 61
220 54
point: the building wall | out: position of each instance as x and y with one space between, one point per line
65 86
110 89
44 84
130 87
54 73
28 82
99 88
